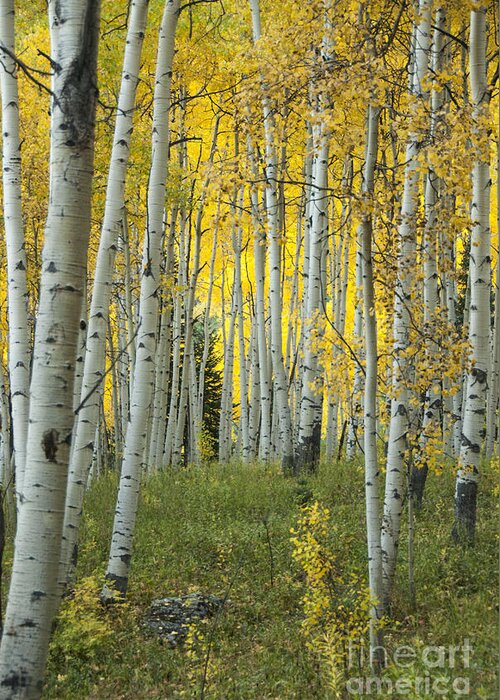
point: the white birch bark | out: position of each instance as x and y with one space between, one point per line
17 292
188 380
476 387
259 258
92 383
372 473
226 412
254 400
355 413
238 290
129 306
34 593
126 506
311 403
492 425
174 384
280 382
123 369
160 390
432 196
6 462
400 395
80 358
206 317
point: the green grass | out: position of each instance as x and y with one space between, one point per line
205 529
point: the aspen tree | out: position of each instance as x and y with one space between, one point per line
6 471
254 402
259 258
94 366
353 436
34 593
476 387
401 371
372 473
162 361
432 195
188 388
309 432
243 378
17 292
207 326
126 506
280 383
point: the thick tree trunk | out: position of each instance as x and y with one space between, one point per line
476 387
34 593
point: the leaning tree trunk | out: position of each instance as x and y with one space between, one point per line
17 293
126 506
92 384
476 386
33 596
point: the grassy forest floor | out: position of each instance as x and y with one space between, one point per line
211 529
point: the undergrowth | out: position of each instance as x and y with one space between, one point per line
226 530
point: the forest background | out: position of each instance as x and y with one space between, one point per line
295 264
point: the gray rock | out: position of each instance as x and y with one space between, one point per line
170 618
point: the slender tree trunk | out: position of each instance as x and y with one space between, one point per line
432 200
402 370
6 472
353 436
372 473
226 413
126 506
311 404
92 383
259 256
275 291
17 292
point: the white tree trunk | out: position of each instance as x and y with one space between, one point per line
226 410
126 506
372 475
275 290
17 292
94 366
6 462
34 593
476 387
355 413
432 200
401 371
259 258
311 403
